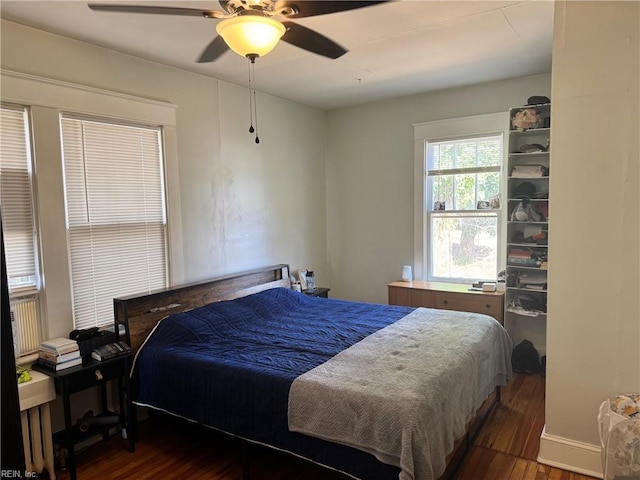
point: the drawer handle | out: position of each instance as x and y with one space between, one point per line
488 306
445 302
98 375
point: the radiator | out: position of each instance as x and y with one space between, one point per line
37 440
24 322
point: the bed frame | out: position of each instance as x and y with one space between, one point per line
137 315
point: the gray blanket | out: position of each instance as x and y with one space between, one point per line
406 392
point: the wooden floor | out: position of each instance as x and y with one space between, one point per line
505 449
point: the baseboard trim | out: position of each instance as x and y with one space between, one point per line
567 454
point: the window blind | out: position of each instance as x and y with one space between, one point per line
115 207
467 154
17 200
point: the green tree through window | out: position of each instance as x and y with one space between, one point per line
462 174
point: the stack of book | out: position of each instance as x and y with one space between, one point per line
109 351
525 257
59 353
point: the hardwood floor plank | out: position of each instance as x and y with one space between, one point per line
531 470
478 460
519 469
169 449
516 424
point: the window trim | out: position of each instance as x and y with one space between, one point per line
472 126
33 292
47 98
82 228
34 289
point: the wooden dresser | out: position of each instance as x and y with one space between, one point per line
447 296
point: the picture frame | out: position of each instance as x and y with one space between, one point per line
302 277
439 206
483 205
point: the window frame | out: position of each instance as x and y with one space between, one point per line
46 98
89 225
32 292
430 175
452 129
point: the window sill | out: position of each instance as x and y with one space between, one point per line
27 360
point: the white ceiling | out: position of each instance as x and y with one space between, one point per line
396 48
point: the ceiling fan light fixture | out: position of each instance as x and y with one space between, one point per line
251 35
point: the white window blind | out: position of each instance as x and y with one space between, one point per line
17 200
19 228
115 205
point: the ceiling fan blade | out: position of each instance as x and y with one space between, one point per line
216 48
189 12
311 40
310 8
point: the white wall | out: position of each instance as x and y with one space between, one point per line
370 169
242 205
593 327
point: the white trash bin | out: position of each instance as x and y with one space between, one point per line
619 428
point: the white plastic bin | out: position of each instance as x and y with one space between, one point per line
619 422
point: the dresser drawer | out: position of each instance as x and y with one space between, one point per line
422 298
487 304
446 296
91 376
399 296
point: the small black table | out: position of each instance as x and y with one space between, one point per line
90 374
318 292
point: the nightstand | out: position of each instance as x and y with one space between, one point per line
318 292
91 374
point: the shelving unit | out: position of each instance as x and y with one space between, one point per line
527 209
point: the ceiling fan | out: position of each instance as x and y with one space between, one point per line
248 27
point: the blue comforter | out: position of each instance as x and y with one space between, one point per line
230 365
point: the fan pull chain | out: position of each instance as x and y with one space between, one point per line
251 129
255 103
253 109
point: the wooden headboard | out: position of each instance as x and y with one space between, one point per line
140 313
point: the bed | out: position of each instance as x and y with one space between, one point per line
378 392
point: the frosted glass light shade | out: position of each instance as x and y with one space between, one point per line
250 34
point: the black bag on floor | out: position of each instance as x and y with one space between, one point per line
525 358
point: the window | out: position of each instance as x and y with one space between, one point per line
463 184
115 207
458 172
19 228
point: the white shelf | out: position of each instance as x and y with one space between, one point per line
526 245
525 313
546 177
526 223
531 132
541 106
523 289
528 154
530 199
524 267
